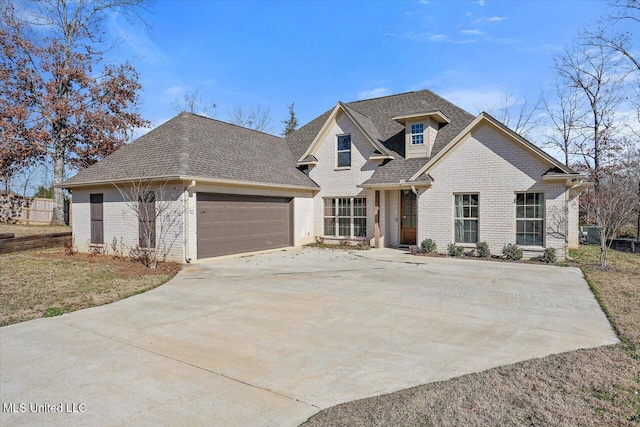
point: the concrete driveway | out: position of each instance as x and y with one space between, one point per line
271 339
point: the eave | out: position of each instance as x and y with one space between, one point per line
234 183
436 115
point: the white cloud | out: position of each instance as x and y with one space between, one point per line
438 38
472 32
374 93
174 90
475 99
497 18
481 3
138 40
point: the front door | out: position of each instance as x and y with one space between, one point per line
408 217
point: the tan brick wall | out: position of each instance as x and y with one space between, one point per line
490 164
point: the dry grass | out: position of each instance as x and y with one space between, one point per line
32 230
617 287
33 281
592 387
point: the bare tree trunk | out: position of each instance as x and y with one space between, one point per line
58 195
638 231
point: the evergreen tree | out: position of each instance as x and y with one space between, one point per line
292 123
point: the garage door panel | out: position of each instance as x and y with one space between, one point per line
228 224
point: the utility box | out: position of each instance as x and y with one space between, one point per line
590 235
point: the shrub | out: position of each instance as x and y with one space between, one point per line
454 250
428 246
482 249
549 256
512 252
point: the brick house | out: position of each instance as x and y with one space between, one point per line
392 170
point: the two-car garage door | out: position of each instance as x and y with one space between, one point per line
230 223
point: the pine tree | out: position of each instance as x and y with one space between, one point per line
292 123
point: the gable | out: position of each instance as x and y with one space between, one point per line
487 156
361 123
507 134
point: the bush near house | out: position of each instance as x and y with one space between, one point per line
454 250
549 256
428 246
482 250
512 252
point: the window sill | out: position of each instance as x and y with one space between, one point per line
466 245
532 248
342 168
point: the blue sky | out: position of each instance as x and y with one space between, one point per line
317 53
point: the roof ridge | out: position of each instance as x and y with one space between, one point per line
385 96
230 124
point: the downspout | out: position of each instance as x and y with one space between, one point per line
185 198
567 195
413 189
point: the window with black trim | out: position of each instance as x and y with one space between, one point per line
344 151
147 220
466 218
97 227
345 217
530 219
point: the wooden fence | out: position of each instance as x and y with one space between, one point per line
38 211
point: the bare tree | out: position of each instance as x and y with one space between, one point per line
517 114
598 75
608 36
58 97
158 209
258 118
566 118
611 204
193 102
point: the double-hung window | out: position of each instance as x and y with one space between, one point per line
345 217
530 219
417 134
466 218
344 151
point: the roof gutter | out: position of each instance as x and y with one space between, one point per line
397 186
569 179
192 178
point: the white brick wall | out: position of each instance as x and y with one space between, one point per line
342 183
495 167
120 221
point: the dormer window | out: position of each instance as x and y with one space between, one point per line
417 134
344 151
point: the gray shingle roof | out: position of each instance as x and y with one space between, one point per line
375 116
194 146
